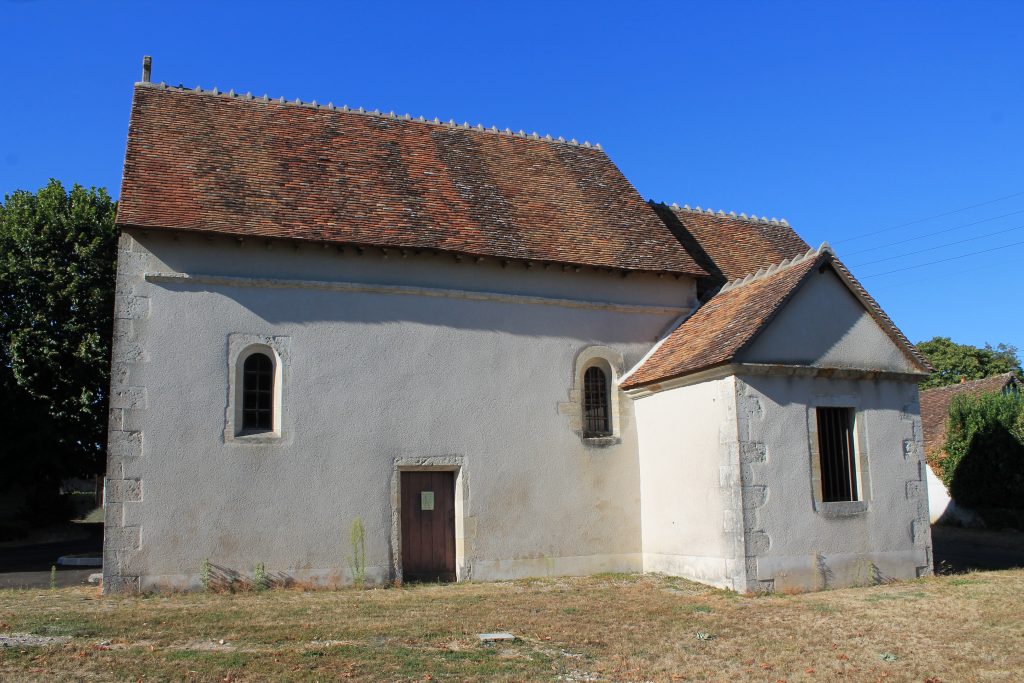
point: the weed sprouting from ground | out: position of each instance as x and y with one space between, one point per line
260 580
357 559
206 574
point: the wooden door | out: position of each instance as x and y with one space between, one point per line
428 526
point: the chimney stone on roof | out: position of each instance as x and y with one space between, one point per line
147 68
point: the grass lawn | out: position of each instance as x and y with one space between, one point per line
620 628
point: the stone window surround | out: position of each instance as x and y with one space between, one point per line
609 360
860 432
240 347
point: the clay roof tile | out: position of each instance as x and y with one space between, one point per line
230 164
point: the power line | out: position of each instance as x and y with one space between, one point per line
932 217
943 276
951 258
940 246
937 232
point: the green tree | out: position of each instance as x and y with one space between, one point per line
57 266
953 361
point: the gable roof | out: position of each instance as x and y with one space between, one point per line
244 166
728 246
935 405
729 322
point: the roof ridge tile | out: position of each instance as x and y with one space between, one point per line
763 272
377 113
752 218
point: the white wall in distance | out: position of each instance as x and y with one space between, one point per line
938 497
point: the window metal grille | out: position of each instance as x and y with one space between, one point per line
258 393
596 413
837 451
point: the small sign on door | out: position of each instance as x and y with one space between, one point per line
426 500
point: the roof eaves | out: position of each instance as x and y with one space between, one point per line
386 249
670 377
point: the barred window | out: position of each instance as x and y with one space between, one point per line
838 454
258 393
596 412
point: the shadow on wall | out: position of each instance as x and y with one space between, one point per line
286 305
863 572
990 478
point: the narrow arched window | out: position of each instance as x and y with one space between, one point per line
258 393
596 413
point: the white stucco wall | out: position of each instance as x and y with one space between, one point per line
938 497
806 544
373 379
686 481
824 325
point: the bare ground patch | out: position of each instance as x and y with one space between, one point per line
606 628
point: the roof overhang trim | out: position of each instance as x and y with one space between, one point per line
387 249
765 369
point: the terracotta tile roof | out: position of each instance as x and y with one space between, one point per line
728 246
935 408
720 329
246 166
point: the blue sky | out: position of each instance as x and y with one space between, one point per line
845 118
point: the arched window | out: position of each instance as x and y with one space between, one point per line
258 393
596 412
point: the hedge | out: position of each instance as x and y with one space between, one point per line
984 463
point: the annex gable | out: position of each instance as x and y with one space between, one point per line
825 325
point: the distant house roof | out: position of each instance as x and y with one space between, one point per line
728 246
729 322
935 407
254 167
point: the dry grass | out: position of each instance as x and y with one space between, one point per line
620 628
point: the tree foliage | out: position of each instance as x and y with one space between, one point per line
953 362
984 463
57 266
